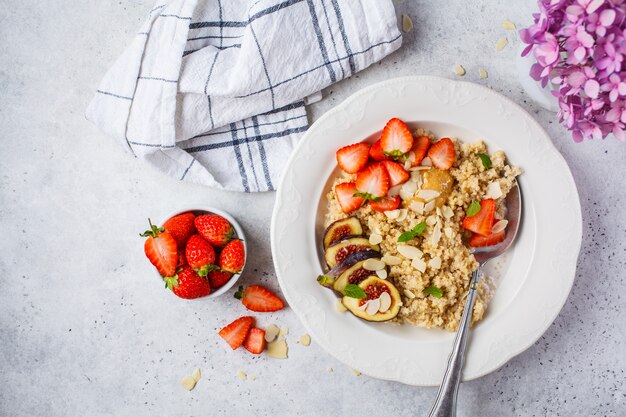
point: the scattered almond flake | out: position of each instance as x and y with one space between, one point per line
428 195
427 162
391 260
499 226
448 232
394 191
416 176
417 206
502 42
373 264
355 372
409 251
402 216
305 340
242 375
419 168
508 25
340 307
284 331
493 190
482 73
373 306
459 70
408 190
196 375
408 163
188 382
252 377
447 212
385 302
428 207
435 262
407 23
419 264
431 220
436 235
409 294
271 332
277 349
392 214
382 273
363 306
375 238
404 311
329 370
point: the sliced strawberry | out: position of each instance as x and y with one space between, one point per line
161 250
477 241
420 148
258 298
441 153
235 333
352 158
376 152
396 139
345 196
373 182
397 174
255 342
386 203
482 221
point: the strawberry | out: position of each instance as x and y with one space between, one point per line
372 182
376 152
386 203
187 284
397 174
160 248
352 158
232 256
441 153
218 278
345 196
181 227
200 255
255 341
420 148
396 139
235 333
477 241
214 229
258 298
482 221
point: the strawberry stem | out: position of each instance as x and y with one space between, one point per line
154 230
239 294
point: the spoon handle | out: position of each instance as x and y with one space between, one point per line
445 403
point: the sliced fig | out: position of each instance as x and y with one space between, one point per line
375 306
353 275
340 250
350 226
350 260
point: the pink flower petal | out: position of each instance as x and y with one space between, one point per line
584 38
594 5
592 88
621 88
613 95
580 53
576 79
619 133
612 115
577 136
607 17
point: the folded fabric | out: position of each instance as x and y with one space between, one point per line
214 91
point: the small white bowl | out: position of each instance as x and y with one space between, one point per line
196 208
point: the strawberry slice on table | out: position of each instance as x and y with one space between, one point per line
232 257
345 196
397 173
481 222
352 158
372 182
181 227
255 341
187 284
396 139
386 203
200 255
441 153
376 152
161 249
235 333
218 278
258 298
420 148
214 229
478 241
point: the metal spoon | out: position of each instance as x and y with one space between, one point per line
445 403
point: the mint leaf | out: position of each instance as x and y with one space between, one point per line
472 209
410 234
354 291
434 291
485 160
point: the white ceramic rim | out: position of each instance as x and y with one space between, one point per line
238 231
472 103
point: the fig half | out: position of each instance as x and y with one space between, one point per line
350 226
353 275
340 250
350 260
381 303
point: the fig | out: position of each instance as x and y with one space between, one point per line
350 226
355 274
381 303
340 250
350 260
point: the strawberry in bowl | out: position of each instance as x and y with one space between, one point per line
198 251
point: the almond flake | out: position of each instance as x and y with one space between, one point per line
283 331
448 232
372 306
482 73
392 214
435 262
382 273
408 189
252 377
436 235
394 191
363 306
409 294
340 307
447 212
385 302
431 220
196 375
408 163
373 264
356 373
428 195
428 207
417 206
271 332
420 168
508 25
409 251
305 340
459 70
188 382
499 226
391 260
277 349
375 238
493 190
419 264
502 42
402 216
242 375
407 23
329 369
416 177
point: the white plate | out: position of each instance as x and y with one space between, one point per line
535 276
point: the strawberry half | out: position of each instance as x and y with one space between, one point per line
200 255
420 148
482 221
235 333
345 196
478 241
397 174
386 203
161 249
187 284
255 341
441 153
372 182
376 152
258 298
396 139
181 227
352 158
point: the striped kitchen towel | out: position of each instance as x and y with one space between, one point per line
214 91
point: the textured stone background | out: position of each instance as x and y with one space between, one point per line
85 328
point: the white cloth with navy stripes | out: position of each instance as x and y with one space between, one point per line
213 91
